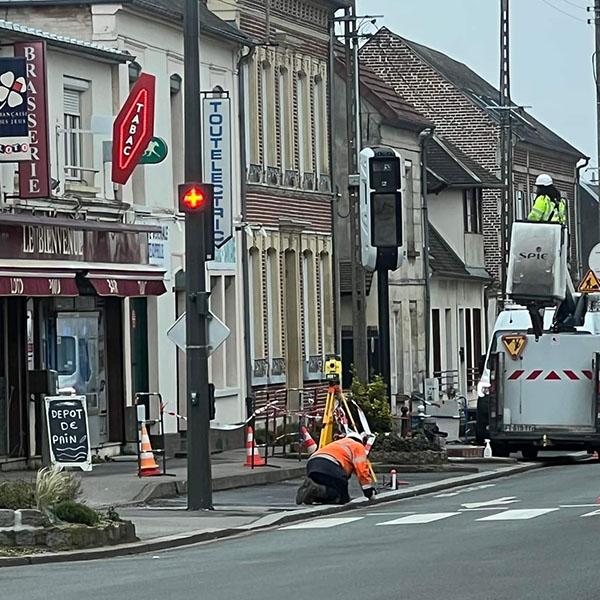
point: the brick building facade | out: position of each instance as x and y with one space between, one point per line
464 108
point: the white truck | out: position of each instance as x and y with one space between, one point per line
540 386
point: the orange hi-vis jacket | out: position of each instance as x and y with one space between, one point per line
351 456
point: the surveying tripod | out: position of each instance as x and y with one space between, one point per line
333 374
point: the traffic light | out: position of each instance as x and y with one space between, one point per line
196 201
381 183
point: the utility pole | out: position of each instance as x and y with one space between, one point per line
506 167
359 314
198 395
597 79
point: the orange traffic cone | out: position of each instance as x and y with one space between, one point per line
148 466
309 444
251 449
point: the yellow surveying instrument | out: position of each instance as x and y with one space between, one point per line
333 374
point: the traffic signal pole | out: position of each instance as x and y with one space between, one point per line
383 309
198 403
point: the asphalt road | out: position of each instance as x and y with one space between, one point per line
532 536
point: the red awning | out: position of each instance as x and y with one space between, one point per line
24 282
127 283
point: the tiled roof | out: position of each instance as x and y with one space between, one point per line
168 9
65 41
448 166
486 96
444 262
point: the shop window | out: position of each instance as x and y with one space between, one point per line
472 210
66 355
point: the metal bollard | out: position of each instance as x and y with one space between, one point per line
394 480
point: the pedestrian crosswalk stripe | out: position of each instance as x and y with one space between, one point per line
592 514
419 519
323 523
518 514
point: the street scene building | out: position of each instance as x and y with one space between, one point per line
272 271
273 75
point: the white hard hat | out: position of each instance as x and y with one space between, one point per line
544 179
353 435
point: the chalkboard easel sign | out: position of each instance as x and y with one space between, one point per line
68 431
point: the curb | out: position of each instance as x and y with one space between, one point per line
171 489
264 523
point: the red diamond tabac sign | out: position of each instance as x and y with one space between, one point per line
133 128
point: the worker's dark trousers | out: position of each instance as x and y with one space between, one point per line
325 472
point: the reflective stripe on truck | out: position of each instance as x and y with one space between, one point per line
552 375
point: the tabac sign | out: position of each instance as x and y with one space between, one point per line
133 128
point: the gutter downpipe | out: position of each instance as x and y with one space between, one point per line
248 367
577 208
424 138
337 325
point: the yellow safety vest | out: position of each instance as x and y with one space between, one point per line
545 209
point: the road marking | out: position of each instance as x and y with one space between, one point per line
496 502
496 508
591 514
518 514
469 489
385 514
578 505
323 523
418 519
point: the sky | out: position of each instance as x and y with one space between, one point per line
551 52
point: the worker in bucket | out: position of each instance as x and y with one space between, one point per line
549 206
329 469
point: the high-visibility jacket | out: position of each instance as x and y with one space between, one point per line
351 456
545 209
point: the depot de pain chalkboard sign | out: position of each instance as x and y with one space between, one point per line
68 431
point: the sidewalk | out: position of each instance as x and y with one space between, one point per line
165 524
117 484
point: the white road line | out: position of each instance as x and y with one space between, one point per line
591 514
496 502
469 489
518 514
385 514
322 523
418 519
483 508
578 505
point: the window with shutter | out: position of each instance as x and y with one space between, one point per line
73 136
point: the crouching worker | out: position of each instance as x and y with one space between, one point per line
329 469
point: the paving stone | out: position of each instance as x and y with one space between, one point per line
7 518
32 517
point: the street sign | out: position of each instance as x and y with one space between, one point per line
68 431
514 344
155 153
594 259
218 332
590 283
133 128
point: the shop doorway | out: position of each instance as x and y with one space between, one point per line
81 365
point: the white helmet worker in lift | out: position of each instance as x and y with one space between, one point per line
329 469
549 206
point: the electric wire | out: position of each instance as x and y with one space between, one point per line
564 12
